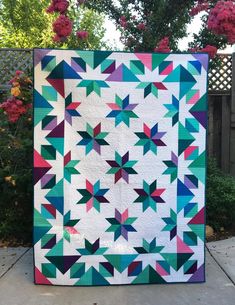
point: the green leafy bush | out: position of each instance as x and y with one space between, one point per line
16 180
16 150
220 198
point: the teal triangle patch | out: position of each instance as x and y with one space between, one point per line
94 58
58 144
91 278
120 262
148 276
128 76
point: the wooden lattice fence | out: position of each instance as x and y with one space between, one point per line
12 60
221 113
220 76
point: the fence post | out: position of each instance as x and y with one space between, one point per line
225 133
232 130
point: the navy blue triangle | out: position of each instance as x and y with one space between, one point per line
45 61
185 76
40 101
197 65
79 61
63 71
57 202
182 189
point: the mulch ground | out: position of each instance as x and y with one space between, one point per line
225 234
13 243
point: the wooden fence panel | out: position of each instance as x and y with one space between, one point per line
12 60
225 132
220 76
232 135
219 123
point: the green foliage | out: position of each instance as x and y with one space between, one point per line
220 198
92 22
16 163
25 24
206 37
162 18
16 179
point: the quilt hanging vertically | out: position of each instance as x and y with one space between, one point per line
119 167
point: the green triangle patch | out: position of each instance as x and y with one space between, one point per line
57 250
185 139
49 270
41 226
176 260
148 276
94 59
120 262
128 76
157 59
197 167
58 144
198 229
201 105
137 67
179 74
91 278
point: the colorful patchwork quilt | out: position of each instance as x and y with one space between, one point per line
119 167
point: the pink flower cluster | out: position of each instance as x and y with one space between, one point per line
123 22
222 20
83 35
62 26
18 103
15 78
141 26
211 50
14 108
163 46
201 6
60 6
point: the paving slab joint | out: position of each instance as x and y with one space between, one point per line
224 271
14 263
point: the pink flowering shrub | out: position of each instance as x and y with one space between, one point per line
59 6
62 27
20 100
82 35
221 20
14 108
136 30
141 26
211 50
202 5
123 22
163 46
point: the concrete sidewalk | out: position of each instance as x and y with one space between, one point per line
17 288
